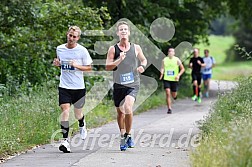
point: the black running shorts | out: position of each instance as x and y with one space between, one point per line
173 85
75 97
197 76
119 94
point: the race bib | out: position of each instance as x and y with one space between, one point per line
207 69
66 66
126 78
170 73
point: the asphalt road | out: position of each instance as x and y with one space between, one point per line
161 140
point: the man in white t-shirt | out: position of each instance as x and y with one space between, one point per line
207 71
73 60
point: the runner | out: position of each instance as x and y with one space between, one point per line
123 58
171 70
207 71
195 64
73 60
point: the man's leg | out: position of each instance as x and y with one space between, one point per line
195 90
174 95
168 97
174 89
207 86
199 78
121 120
78 113
65 108
79 100
121 125
128 107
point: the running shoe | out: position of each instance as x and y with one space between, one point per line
83 132
130 142
123 143
207 94
65 146
169 111
199 100
194 98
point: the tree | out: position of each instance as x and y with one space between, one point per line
29 34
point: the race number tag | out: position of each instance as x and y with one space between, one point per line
207 69
66 66
170 73
127 78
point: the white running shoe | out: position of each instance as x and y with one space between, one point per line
65 146
83 131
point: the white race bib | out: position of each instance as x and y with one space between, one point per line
170 73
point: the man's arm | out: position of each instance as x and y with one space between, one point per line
201 62
142 59
110 63
81 67
181 71
213 62
190 65
162 70
56 61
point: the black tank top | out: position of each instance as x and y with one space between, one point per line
125 74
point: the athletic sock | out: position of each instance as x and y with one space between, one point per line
199 92
194 89
65 128
126 134
81 122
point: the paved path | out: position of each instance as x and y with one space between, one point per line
161 140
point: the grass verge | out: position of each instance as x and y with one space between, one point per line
226 132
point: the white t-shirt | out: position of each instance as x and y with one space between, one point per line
209 61
72 78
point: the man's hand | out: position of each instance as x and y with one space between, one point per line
199 62
140 69
56 62
161 76
72 63
177 78
122 56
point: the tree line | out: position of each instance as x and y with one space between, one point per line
31 30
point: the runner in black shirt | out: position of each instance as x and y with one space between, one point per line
195 64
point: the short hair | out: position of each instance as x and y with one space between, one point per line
75 28
206 50
122 23
196 49
170 48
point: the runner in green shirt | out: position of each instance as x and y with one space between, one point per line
171 70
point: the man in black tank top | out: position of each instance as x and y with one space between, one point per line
123 59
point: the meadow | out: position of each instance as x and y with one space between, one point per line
225 69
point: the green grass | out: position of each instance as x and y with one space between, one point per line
233 70
227 131
27 120
219 45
